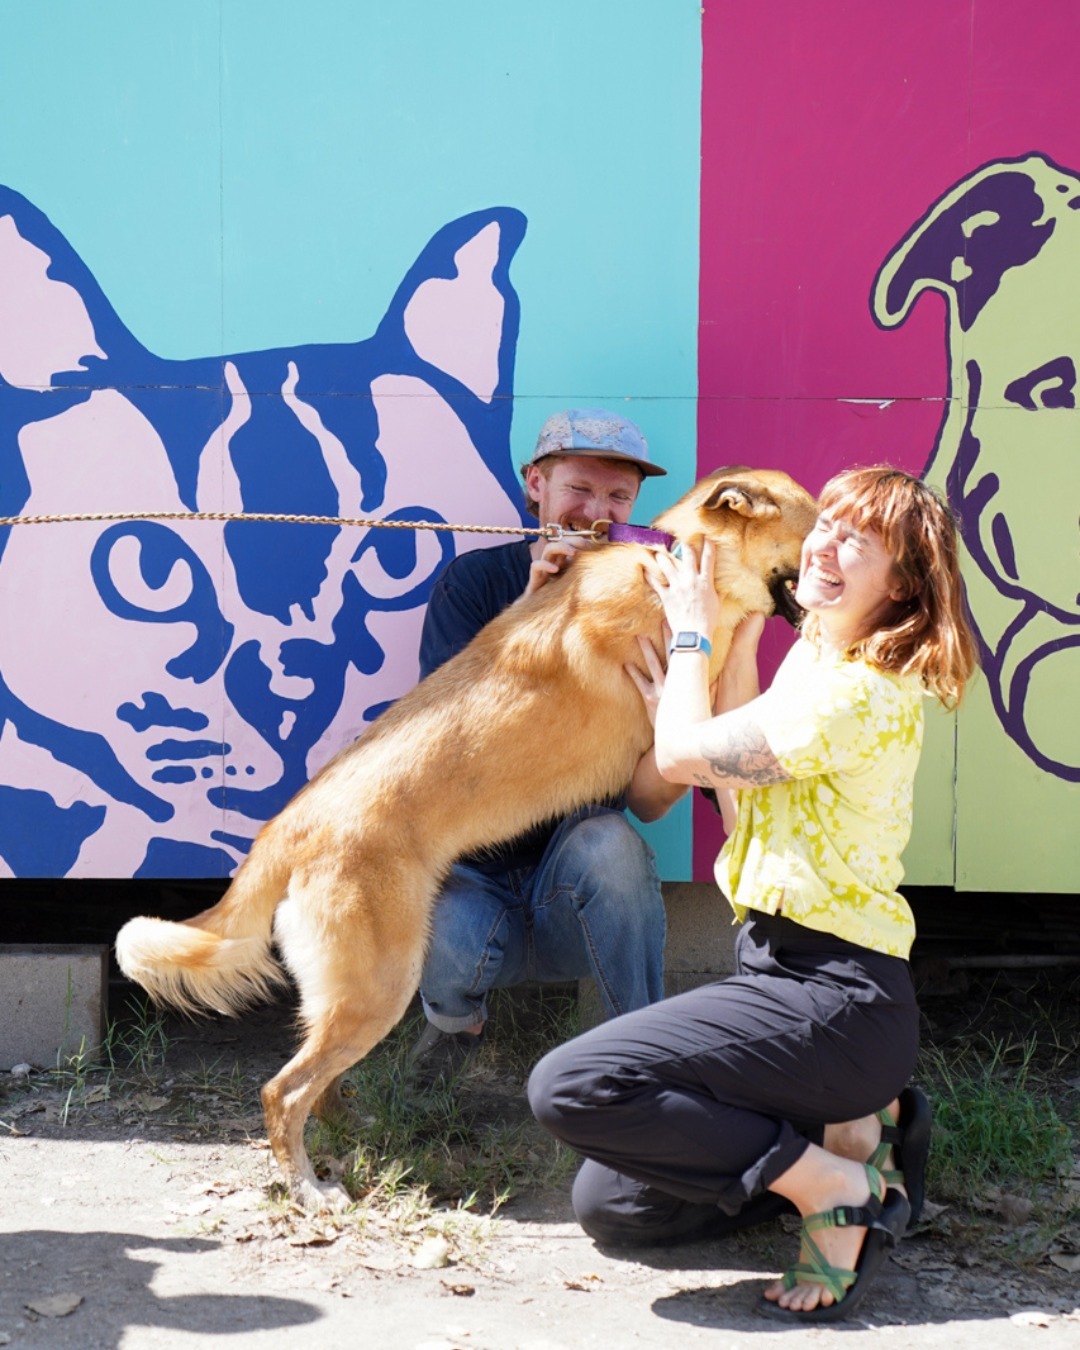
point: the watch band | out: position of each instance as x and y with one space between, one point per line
686 640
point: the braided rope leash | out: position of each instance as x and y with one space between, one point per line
543 532
614 532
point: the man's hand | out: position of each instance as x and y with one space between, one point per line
557 554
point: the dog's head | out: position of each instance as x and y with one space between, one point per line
1002 248
758 518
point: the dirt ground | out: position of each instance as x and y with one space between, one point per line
128 1224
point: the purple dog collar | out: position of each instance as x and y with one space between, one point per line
638 534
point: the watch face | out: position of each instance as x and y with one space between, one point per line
684 640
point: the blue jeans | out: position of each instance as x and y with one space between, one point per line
591 906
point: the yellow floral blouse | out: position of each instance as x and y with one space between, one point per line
824 848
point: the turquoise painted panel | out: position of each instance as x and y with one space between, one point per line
236 220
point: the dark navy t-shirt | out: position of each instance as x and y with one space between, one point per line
473 590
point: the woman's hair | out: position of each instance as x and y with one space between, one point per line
927 633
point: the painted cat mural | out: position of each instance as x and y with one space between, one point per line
166 687
1003 248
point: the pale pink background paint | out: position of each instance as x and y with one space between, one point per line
828 130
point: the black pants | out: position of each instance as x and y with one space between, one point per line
696 1104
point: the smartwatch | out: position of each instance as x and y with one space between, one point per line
688 641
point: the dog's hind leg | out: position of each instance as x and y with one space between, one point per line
356 973
334 1042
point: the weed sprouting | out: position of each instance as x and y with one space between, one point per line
139 1043
995 1122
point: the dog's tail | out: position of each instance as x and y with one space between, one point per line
219 960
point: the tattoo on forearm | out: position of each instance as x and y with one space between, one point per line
742 757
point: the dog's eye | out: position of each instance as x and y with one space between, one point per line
1051 385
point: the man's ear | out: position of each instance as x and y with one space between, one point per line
751 502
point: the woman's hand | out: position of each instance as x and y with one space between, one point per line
687 588
649 686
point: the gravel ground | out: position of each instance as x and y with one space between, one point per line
132 1223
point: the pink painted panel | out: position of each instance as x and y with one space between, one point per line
828 132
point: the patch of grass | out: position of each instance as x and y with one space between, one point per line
470 1146
996 1123
138 1044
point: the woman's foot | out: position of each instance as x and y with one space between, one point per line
831 1182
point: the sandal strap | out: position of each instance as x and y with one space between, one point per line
892 1136
846 1216
832 1278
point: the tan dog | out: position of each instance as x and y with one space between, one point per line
344 879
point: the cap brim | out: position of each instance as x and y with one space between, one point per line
601 452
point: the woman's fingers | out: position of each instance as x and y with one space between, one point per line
652 659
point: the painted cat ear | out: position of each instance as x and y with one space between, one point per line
457 307
45 323
998 218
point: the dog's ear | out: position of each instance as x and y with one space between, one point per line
742 498
998 218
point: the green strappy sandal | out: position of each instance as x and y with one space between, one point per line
884 1216
909 1139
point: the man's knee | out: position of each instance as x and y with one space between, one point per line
608 850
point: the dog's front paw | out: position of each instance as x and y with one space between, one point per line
321 1197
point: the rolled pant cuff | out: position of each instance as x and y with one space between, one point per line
451 1025
787 1151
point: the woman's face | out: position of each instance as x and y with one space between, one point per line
847 578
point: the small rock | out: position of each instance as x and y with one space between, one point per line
1015 1209
432 1254
21 1071
55 1305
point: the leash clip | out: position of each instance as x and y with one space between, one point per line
556 532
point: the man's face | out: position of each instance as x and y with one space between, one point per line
579 490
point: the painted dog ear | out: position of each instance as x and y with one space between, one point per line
753 503
998 218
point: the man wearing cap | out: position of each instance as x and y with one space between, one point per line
577 895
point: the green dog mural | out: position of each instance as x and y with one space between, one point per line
1003 248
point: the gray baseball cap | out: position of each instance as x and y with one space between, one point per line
597 432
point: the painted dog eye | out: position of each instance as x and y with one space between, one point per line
1051 385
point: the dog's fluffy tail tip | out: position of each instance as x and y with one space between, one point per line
194 970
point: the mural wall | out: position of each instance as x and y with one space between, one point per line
889 265
348 266
249 262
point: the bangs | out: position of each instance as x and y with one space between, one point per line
880 499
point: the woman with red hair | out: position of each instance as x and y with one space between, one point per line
786 1087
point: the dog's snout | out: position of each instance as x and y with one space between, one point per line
782 590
